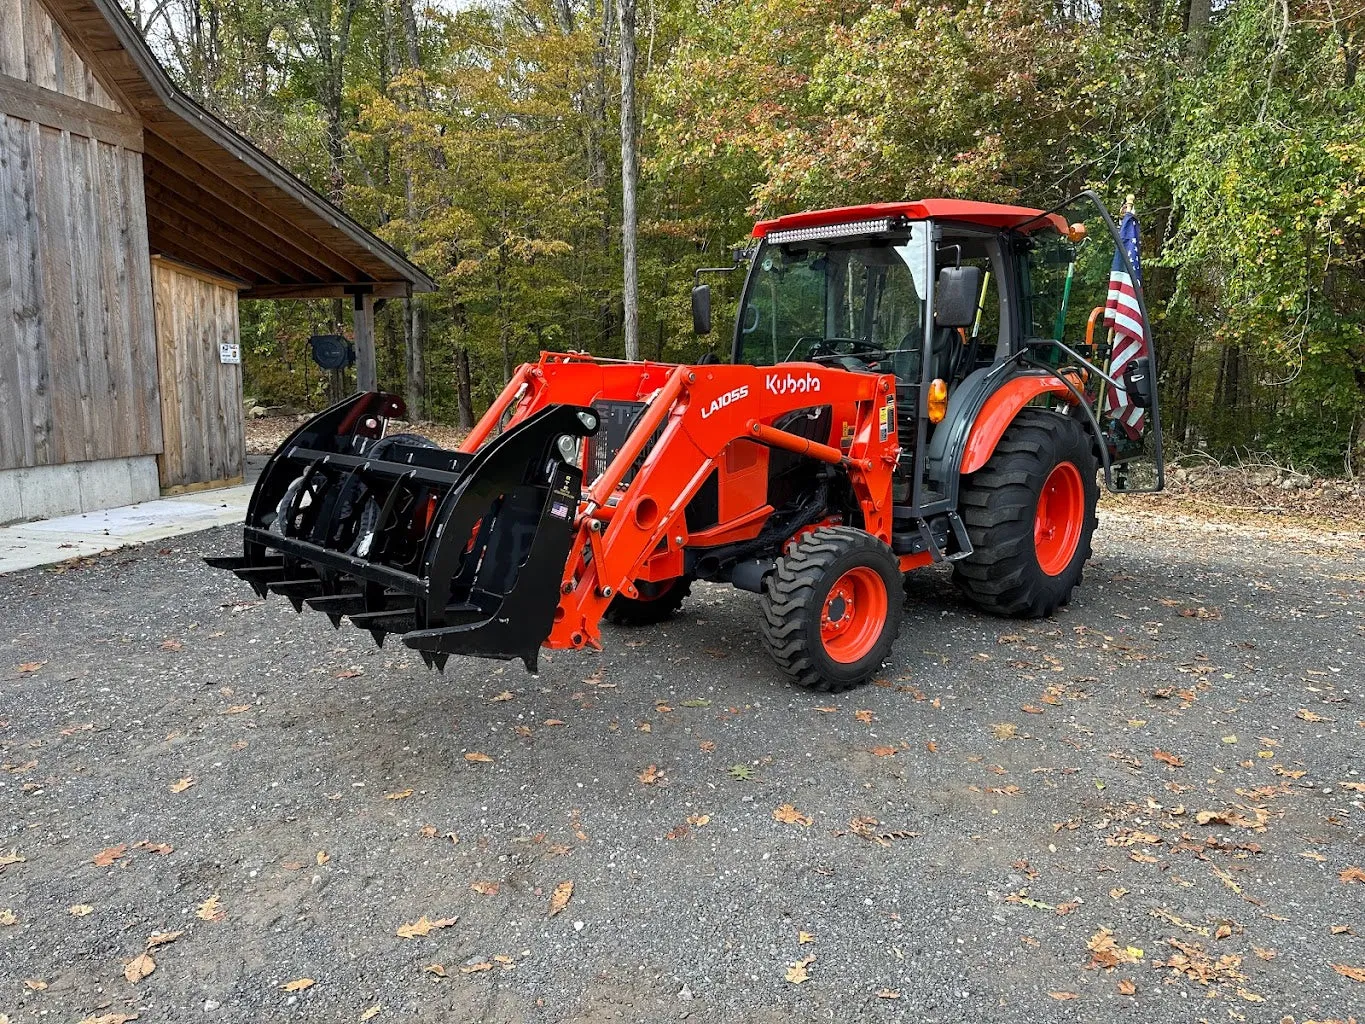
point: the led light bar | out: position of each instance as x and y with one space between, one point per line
857 227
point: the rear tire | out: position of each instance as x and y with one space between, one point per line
832 608
656 603
1030 513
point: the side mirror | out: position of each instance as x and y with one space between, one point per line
701 309
1137 381
956 297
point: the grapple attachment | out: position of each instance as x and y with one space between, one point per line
460 553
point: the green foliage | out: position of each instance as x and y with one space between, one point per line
493 161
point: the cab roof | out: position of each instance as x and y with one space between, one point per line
990 215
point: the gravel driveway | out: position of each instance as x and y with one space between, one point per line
1150 808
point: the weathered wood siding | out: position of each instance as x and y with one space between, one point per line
78 376
201 397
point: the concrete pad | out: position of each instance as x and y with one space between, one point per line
26 545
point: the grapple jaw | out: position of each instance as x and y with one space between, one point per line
460 553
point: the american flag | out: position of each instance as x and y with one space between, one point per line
1123 315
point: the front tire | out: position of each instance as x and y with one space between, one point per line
657 603
832 608
1030 514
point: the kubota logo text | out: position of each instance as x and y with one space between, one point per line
730 396
790 384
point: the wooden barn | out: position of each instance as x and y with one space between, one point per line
131 222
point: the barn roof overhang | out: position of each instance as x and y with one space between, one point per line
216 201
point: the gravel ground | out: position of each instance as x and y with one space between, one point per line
1149 808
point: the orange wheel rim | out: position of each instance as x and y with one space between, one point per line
854 614
1060 516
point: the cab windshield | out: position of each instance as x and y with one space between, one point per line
859 303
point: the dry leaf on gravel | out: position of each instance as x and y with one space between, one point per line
211 909
505 695
1062 997
479 758
698 820
237 709
559 899
7 917
139 967
30 666
796 973
1004 730
482 965
161 938
789 815
437 969
485 888
323 857
180 785
1309 716
651 775
423 926
402 794
864 716
888 993
1107 954
1166 757
1127 987
371 1013
297 985
162 848
1347 971
109 854
35 984
803 938
883 751
108 1018
1351 874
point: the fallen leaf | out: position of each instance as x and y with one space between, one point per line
1165 757
1347 971
348 673
371 1013
883 751
172 645
796 973
740 772
180 785
1064 996
323 857
791 816
162 848
1118 892
423 926
437 969
1264 954
1030 709
482 965
1127 987
482 758
827 709
109 854
1309 716
1351 874
402 794
297 985
1249 996
1342 929
139 967
211 909
698 820
696 702
864 716
1358 787
1313 855
1004 730
554 721
37 984
237 709
161 938
651 775
8 918
485 888
26 667
505 695
559 899
108 1018
888 993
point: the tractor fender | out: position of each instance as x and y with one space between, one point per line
999 411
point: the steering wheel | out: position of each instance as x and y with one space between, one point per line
825 350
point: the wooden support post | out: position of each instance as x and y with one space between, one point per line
366 375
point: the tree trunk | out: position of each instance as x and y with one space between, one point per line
1197 26
415 337
630 295
463 389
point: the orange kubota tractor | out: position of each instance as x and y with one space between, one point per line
903 388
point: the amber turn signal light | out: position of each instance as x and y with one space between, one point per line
938 400
1076 232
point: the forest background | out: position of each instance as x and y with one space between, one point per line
484 140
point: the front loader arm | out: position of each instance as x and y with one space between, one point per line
698 412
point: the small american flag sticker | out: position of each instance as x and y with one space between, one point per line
559 510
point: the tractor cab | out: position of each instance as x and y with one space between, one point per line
954 298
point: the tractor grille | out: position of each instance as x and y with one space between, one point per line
618 420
